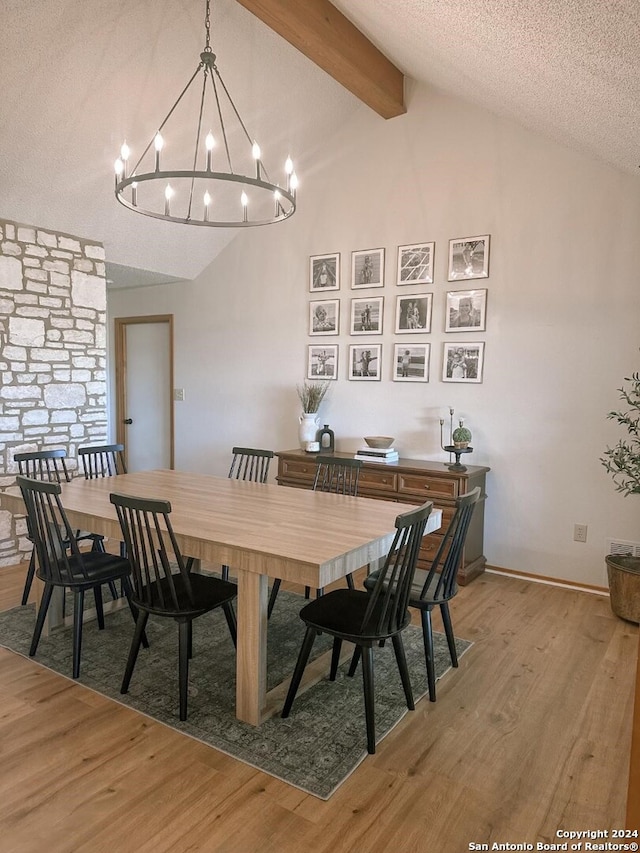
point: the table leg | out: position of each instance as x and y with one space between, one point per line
251 654
54 615
55 619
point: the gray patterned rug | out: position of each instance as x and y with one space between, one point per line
315 749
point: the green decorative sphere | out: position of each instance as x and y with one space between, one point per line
461 435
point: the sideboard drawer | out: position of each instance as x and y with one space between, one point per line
302 470
381 481
429 488
429 548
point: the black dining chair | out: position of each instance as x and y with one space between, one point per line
104 460
47 466
252 464
437 586
78 571
336 475
366 618
163 585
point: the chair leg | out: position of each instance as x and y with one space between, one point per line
134 649
230 616
335 658
296 678
448 630
354 661
225 573
398 648
97 595
126 591
190 640
29 578
350 582
113 590
183 665
307 592
369 712
78 609
427 638
273 595
42 614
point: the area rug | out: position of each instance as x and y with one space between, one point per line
315 749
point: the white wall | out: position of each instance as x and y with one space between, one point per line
562 320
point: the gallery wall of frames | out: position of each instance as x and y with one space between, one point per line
415 309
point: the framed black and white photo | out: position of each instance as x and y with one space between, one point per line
324 272
365 362
411 362
324 316
466 309
367 268
415 263
469 257
366 316
463 362
413 313
322 362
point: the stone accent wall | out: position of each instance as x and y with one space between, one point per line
52 354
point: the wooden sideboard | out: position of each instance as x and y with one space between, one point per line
411 481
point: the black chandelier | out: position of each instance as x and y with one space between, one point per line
231 189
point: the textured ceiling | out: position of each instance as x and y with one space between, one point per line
79 76
569 69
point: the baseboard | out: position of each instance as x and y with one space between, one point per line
582 587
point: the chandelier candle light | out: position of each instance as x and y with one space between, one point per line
218 192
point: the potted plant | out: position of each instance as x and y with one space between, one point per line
622 461
310 394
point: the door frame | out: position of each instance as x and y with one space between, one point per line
120 330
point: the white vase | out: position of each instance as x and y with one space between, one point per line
309 424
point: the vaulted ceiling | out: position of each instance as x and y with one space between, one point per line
79 76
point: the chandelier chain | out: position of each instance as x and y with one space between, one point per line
207 26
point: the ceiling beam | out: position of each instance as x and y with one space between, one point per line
326 37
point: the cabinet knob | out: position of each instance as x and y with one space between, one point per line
426 486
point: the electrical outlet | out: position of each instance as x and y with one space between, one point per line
178 394
579 532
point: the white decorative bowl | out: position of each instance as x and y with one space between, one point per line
379 442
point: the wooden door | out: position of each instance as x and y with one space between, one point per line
144 390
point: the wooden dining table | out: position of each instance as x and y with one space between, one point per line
261 531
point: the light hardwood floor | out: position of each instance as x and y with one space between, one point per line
530 735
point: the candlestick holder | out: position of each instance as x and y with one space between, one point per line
451 448
451 411
457 451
